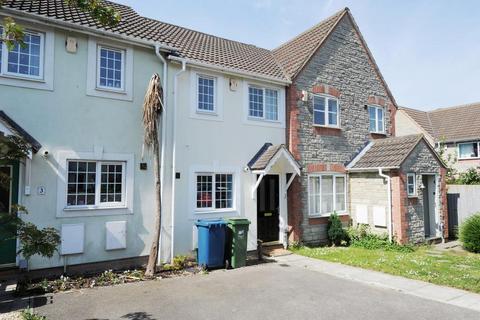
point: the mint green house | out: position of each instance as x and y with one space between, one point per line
75 92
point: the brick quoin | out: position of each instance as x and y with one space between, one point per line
326 89
443 200
399 208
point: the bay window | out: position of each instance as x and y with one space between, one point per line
326 194
325 111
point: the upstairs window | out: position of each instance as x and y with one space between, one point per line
24 61
206 93
325 111
111 68
376 117
262 103
468 150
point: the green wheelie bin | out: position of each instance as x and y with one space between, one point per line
237 241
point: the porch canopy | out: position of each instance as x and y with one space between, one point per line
273 159
8 127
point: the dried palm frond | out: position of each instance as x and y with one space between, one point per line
152 109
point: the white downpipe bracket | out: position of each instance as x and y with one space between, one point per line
389 187
174 120
163 139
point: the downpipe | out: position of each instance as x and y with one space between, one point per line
389 187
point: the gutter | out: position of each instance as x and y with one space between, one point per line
70 26
163 138
389 187
230 71
174 120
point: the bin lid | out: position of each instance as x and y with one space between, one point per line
210 223
238 221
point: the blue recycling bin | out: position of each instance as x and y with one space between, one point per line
211 243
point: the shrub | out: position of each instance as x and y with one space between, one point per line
360 236
336 233
471 176
470 233
28 314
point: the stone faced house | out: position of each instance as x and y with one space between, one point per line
340 111
456 129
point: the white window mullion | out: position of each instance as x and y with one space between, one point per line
98 181
214 186
334 204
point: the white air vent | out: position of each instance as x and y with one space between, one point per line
73 236
379 216
116 235
361 213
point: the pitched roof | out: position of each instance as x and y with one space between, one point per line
459 123
262 159
386 153
294 54
194 45
19 131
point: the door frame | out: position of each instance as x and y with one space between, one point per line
14 199
436 201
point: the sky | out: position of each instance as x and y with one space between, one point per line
427 51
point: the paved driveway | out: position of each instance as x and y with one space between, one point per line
268 291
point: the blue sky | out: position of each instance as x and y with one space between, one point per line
428 51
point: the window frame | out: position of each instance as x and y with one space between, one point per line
213 209
468 158
334 189
123 53
215 85
414 176
264 89
326 98
4 59
98 182
377 108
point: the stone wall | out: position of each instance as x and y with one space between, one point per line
340 68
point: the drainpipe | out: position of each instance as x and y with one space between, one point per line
174 120
163 138
389 187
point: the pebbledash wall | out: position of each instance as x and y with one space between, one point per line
340 68
71 121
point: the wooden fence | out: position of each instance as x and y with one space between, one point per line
462 202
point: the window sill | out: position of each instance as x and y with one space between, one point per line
378 133
70 212
466 159
214 211
207 113
20 77
327 215
327 127
25 82
111 90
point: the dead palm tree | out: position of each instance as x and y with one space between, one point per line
152 112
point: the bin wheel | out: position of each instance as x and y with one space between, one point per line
227 264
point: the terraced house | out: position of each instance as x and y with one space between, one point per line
283 137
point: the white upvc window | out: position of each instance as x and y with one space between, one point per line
95 184
263 103
376 116
24 61
326 194
206 96
468 150
411 184
110 68
214 191
326 111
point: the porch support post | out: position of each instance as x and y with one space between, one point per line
288 184
254 189
28 173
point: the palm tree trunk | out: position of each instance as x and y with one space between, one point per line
152 259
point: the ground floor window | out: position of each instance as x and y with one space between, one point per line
326 194
214 191
411 184
95 183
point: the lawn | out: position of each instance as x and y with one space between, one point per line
459 270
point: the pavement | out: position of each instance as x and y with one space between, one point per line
292 287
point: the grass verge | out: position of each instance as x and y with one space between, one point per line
458 270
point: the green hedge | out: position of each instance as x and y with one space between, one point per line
470 233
